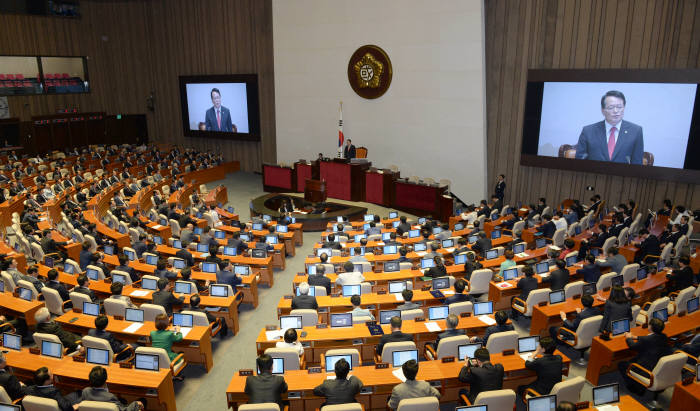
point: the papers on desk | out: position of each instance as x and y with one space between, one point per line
204 255
525 356
433 327
486 319
133 328
214 309
522 255
157 227
448 292
274 335
139 293
504 284
608 408
398 373
450 250
380 242
544 275
421 253
398 296
184 331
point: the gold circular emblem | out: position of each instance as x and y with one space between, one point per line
369 71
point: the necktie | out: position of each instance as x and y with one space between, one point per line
611 142
218 119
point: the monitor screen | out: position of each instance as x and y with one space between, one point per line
271 239
448 243
312 291
459 226
51 349
277 366
369 218
438 313
157 239
68 269
198 230
361 252
413 233
571 260
641 273
472 408
589 289
151 259
620 326
393 214
178 263
617 281
209 267
267 218
218 290
365 226
395 224
427 263
149 283
390 249
91 308
311 269
542 267
290 321
391 266
461 258
437 230
130 255
230 251
661 314
421 220
359 237
495 234
510 274
491 254
341 320
467 350
183 287
396 286
332 359
420 247
386 236
25 293
472 239
528 344
326 251
118 278
245 237
484 308
385 316
134 315
220 235
48 261
203 248
280 228
542 403
400 357
97 356
519 248
257 226
350 290
258 253
606 394
241 269
146 362
183 320
556 297
693 305
12 341
540 242
441 283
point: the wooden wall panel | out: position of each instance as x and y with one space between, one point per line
579 34
136 47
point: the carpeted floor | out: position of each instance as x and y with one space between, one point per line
202 391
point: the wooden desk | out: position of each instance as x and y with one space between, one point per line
19 307
685 397
379 383
131 384
605 355
196 345
344 180
219 195
277 178
627 403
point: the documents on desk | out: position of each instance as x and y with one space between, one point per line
526 356
157 227
184 331
607 408
398 296
133 328
421 253
398 373
523 255
273 335
504 284
139 293
433 327
486 319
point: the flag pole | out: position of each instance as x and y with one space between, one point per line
341 137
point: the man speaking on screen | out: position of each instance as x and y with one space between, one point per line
612 139
218 117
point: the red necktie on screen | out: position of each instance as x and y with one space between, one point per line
218 122
611 142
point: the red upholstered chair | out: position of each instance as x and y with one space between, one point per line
2 77
65 75
19 76
10 76
48 76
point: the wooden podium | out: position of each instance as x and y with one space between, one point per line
315 191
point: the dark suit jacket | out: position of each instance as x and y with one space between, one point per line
681 278
211 123
613 312
557 279
185 255
227 277
339 391
320 280
446 334
51 392
548 229
395 336
436 272
349 151
496 329
265 388
526 285
166 299
103 395
629 147
485 378
130 270
591 273
304 302
458 298
586 313
68 339
650 348
650 246
60 288
11 384
548 370
116 345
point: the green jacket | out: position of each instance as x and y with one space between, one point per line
165 339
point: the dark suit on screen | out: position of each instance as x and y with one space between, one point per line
629 145
211 123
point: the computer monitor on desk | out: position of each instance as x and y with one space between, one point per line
438 313
467 350
332 359
341 320
484 308
386 315
290 321
400 357
542 403
606 394
620 326
396 287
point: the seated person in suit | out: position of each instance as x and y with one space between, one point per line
358 257
598 239
395 336
411 388
587 312
186 255
484 376
590 271
194 306
526 285
459 295
83 287
165 297
124 266
101 322
682 277
546 365
44 324
14 388
161 337
649 245
225 275
116 290
403 251
304 300
98 391
357 310
53 283
650 348
452 321
265 387
350 276
693 347
408 303
162 271
559 277
341 390
319 279
613 260
291 341
43 387
438 270
501 325
483 244
509 261
547 227
331 243
186 276
617 307
470 265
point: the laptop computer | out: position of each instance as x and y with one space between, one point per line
133 315
606 394
396 287
91 308
97 356
528 344
556 297
441 283
542 403
620 326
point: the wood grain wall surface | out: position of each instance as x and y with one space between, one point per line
579 34
136 47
